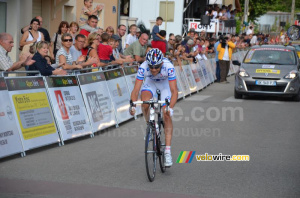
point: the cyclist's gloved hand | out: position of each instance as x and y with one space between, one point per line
132 110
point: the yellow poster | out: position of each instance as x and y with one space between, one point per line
271 71
34 115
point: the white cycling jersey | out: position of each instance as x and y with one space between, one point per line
160 81
167 72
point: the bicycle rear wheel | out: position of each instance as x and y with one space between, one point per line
161 148
150 152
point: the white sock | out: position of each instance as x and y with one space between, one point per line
168 149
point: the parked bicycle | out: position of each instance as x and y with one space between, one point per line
154 145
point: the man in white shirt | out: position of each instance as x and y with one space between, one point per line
249 31
6 64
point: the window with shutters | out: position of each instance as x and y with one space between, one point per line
166 10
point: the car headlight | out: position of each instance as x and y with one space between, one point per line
243 73
293 74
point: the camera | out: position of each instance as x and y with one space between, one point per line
223 41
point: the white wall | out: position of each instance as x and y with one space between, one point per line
149 10
19 14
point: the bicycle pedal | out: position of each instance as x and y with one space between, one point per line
162 145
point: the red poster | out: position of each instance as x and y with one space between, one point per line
61 105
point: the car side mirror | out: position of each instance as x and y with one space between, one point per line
235 62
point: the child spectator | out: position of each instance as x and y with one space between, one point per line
131 38
110 31
87 11
104 50
155 30
161 45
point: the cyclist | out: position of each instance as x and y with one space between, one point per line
159 73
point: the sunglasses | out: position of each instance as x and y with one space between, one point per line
68 40
154 67
172 39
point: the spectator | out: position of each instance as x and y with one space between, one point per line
92 22
161 45
222 14
212 42
178 39
282 39
93 42
110 31
41 63
155 30
137 50
87 11
104 50
74 27
56 41
217 61
42 30
171 42
131 37
32 36
249 31
63 54
225 49
76 53
6 64
138 33
253 40
116 53
118 37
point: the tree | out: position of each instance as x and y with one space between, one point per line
258 8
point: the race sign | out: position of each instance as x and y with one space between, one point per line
211 28
68 107
119 93
31 107
10 142
98 103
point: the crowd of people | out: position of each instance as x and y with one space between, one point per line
83 44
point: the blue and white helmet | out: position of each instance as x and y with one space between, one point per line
154 57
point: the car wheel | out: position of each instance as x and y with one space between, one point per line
237 95
297 97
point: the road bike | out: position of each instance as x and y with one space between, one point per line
154 139
294 32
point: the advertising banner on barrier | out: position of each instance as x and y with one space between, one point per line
196 76
190 78
97 100
201 73
213 67
32 108
10 141
68 107
130 76
119 93
182 80
209 71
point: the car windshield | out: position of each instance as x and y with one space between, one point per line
270 56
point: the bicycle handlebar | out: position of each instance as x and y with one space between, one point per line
166 101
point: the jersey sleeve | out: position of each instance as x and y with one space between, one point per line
141 72
171 73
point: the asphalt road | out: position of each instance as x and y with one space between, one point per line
112 163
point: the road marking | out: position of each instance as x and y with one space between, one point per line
197 98
232 99
273 102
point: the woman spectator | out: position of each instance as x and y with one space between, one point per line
110 31
41 62
56 41
93 42
74 27
63 54
33 35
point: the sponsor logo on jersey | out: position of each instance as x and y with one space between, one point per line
141 72
171 72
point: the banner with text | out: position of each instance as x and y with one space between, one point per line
10 141
68 107
97 99
119 93
32 108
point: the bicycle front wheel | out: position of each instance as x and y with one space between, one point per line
161 148
150 153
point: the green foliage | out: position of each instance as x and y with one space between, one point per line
258 8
